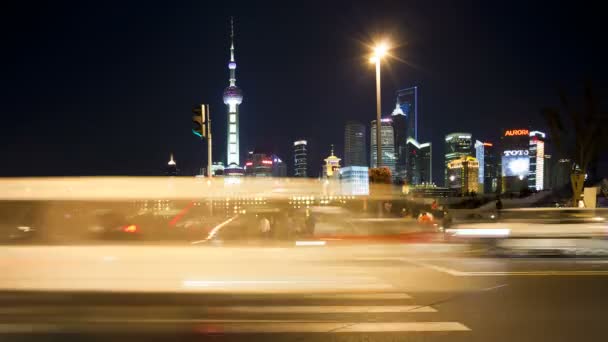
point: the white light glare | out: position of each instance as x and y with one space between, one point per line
480 232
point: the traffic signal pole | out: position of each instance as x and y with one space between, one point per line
209 163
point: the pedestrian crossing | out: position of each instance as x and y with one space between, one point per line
302 313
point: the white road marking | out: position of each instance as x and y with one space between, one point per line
328 285
362 296
238 327
302 309
458 273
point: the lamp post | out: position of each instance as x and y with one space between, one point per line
379 52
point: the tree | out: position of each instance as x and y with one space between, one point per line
380 175
581 144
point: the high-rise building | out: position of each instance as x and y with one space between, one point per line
332 165
279 169
548 181
407 101
457 146
354 144
463 175
419 167
515 160
561 176
400 129
172 167
259 165
354 180
387 139
536 176
233 97
300 158
488 167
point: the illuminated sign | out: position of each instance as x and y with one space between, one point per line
267 162
514 153
516 132
249 164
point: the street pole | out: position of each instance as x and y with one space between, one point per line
378 115
209 163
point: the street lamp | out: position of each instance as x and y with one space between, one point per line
380 51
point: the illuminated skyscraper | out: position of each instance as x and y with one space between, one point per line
300 160
536 177
233 97
354 144
407 101
387 138
172 167
419 167
457 145
488 167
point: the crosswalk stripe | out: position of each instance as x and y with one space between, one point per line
279 309
362 296
239 327
322 309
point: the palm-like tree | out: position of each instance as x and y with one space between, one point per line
578 132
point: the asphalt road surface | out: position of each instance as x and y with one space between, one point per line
357 293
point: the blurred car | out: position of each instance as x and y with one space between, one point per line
538 231
19 223
112 225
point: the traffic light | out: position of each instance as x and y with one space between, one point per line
199 119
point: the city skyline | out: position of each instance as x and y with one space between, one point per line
118 102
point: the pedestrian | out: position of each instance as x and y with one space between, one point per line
264 227
310 225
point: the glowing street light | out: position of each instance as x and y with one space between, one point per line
380 51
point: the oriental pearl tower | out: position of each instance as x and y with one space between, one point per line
233 96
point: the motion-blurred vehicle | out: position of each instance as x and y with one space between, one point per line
19 223
538 231
112 225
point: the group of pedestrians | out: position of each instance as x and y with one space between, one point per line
286 226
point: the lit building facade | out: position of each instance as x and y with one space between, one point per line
300 152
354 180
217 169
515 159
387 139
419 165
463 175
332 165
457 146
536 176
354 144
233 97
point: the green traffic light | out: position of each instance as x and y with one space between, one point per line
197 133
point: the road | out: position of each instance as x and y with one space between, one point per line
356 293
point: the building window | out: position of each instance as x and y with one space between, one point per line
232 128
232 118
232 138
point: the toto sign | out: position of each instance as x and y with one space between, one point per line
516 132
514 153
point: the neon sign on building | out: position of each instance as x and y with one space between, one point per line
516 132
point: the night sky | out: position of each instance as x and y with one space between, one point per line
106 88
